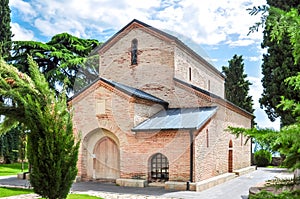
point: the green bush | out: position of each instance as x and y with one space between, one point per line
283 195
262 158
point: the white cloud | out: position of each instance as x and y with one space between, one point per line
21 34
242 42
24 7
206 22
253 59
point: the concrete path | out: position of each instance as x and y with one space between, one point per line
237 188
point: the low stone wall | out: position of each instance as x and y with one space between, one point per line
131 182
211 182
244 171
179 186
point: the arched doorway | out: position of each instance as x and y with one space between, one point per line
159 168
230 157
106 161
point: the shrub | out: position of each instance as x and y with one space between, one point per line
284 195
262 158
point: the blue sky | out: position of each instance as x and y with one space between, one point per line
218 28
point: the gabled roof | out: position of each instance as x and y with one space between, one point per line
138 23
178 119
134 92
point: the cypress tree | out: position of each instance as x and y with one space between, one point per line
236 85
278 64
9 146
52 149
5 29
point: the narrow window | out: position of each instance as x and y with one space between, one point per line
134 49
208 85
190 73
241 140
207 138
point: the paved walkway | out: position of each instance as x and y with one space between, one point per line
237 188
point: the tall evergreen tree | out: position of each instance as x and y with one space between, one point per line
5 29
9 142
52 149
9 145
278 64
236 85
64 56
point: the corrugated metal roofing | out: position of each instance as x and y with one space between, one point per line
126 89
134 92
177 118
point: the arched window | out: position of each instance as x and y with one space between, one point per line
134 50
159 168
230 144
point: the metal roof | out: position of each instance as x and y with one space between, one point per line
134 92
126 89
177 118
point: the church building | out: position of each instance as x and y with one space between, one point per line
156 113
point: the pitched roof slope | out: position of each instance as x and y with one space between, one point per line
177 118
134 92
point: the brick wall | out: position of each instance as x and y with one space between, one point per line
201 75
212 160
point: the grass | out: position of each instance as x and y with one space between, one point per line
82 196
12 169
6 192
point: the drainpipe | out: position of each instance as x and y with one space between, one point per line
191 159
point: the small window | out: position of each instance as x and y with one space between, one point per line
208 85
241 140
207 138
230 144
190 73
134 51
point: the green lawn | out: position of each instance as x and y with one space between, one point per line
6 192
82 196
12 169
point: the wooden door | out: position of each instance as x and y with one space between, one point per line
230 157
230 161
107 159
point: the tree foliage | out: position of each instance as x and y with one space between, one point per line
278 64
52 150
287 140
64 56
236 85
9 145
5 29
262 158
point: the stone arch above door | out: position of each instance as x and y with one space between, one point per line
88 150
